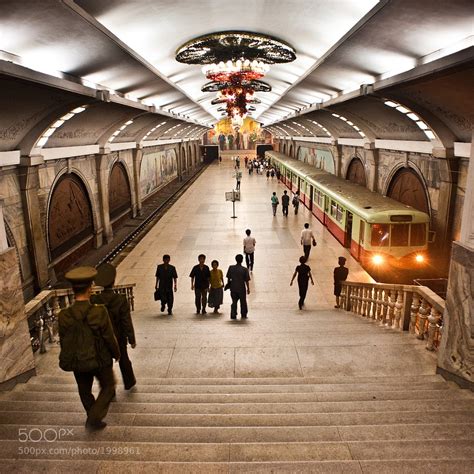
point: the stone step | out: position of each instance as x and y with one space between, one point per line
408 379
287 388
247 408
30 418
241 452
421 466
137 397
269 434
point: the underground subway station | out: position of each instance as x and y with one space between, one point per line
237 236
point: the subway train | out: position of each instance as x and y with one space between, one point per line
388 238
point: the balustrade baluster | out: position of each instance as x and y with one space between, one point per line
398 310
415 306
433 320
359 299
378 303
391 308
385 307
364 302
342 298
422 317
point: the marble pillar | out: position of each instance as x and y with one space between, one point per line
137 160
16 356
456 352
102 167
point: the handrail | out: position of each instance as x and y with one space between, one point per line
412 308
43 310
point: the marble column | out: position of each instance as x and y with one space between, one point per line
456 352
16 356
137 160
336 150
29 184
371 165
102 167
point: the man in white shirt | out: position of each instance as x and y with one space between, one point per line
307 238
249 249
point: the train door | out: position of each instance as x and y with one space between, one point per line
348 234
310 197
361 239
326 209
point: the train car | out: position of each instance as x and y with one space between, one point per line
380 232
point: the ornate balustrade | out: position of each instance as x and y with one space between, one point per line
42 312
415 309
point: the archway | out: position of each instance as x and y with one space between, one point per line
356 172
120 201
407 188
290 153
69 220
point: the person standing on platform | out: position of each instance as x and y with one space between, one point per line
340 275
216 292
165 275
296 201
237 162
285 203
238 280
249 250
88 345
200 276
275 202
246 159
119 311
304 275
238 177
307 238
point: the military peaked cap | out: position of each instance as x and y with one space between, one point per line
105 275
81 276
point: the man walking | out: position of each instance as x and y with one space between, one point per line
88 345
275 202
119 311
296 201
200 279
285 203
238 279
165 275
249 249
307 238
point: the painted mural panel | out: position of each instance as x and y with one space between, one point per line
321 159
119 191
70 215
157 169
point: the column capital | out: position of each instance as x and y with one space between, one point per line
31 160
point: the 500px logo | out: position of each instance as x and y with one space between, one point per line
48 435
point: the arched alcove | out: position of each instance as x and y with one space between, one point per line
120 200
408 188
356 172
70 219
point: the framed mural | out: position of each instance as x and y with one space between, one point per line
157 169
321 159
245 137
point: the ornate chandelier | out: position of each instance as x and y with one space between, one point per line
234 62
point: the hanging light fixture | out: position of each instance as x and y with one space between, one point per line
234 62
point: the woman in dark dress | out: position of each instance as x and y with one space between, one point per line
304 275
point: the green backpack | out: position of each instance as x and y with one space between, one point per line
79 348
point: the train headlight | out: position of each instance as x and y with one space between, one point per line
420 258
377 259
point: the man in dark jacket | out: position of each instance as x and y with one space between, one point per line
104 346
238 280
119 311
285 203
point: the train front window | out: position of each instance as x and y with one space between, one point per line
380 235
418 235
400 235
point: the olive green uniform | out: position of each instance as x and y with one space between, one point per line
106 347
119 311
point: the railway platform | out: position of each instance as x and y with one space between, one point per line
317 390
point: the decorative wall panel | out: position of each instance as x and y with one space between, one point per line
157 168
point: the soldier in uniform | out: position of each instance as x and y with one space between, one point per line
105 346
119 311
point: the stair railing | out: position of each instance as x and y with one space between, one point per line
415 309
43 310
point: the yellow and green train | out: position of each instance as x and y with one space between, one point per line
379 231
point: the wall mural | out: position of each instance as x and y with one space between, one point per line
244 138
70 215
157 168
119 191
321 159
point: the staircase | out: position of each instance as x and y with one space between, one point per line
344 424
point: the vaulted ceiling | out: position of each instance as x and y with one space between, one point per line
127 47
